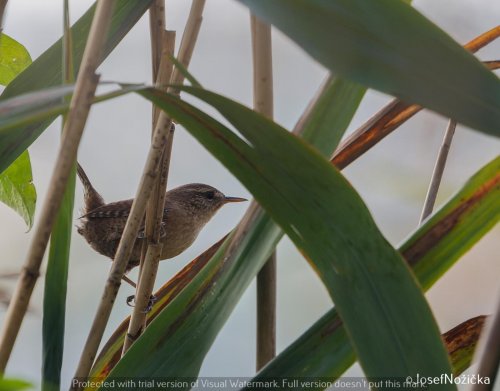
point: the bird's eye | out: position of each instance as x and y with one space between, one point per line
210 195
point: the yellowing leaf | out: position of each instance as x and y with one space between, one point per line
14 58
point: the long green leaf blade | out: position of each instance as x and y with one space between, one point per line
324 349
201 309
54 302
291 176
56 276
381 305
46 70
389 46
332 113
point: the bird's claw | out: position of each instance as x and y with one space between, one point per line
130 299
152 300
163 231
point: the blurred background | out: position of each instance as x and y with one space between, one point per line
392 178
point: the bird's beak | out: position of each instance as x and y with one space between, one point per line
234 199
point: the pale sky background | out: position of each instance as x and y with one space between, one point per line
392 178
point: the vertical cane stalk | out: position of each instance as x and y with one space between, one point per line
266 279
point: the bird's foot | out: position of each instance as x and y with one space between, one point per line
163 231
130 300
152 300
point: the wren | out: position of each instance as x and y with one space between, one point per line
187 209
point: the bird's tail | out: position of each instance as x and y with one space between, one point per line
92 198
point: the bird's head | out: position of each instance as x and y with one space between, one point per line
200 199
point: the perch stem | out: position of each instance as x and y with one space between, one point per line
154 214
162 46
125 247
156 203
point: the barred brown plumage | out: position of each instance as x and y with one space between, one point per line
187 209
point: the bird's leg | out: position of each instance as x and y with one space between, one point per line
152 300
130 298
129 281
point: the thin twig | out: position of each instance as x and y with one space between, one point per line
157 31
488 352
266 279
159 43
125 247
437 174
154 216
156 203
80 105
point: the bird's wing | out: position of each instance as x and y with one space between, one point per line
120 209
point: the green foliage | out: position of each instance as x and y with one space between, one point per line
382 307
16 182
379 299
56 277
324 349
389 46
222 281
17 189
14 385
14 58
54 304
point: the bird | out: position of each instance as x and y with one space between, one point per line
187 210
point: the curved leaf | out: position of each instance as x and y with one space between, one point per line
389 46
14 58
56 276
16 186
207 301
111 351
17 189
382 306
461 341
324 349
